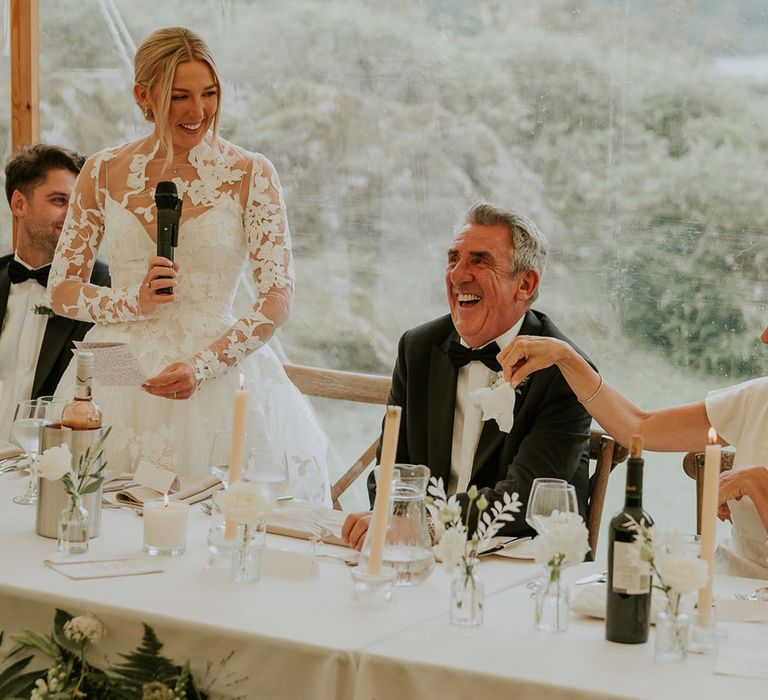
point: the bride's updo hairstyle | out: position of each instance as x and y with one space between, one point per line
155 65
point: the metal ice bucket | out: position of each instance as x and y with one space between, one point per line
53 496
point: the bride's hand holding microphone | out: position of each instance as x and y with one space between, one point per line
177 381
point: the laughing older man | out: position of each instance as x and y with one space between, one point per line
492 277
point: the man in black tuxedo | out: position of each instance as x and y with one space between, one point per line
35 347
494 267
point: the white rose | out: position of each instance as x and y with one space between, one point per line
84 628
683 573
563 534
55 462
451 547
243 502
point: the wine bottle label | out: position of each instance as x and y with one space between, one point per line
631 574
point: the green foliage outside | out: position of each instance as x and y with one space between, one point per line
604 121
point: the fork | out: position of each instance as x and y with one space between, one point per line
319 532
759 594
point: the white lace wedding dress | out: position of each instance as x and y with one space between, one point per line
233 213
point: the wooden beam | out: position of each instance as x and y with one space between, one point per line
25 83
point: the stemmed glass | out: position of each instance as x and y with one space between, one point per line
268 467
548 495
30 416
218 460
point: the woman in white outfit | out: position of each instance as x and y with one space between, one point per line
190 345
739 414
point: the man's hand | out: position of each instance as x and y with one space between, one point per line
176 381
354 529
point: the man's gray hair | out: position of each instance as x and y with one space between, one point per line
529 245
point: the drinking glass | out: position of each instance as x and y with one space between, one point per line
29 418
218 460
268 467
548 495
55 408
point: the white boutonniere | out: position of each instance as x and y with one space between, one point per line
497 402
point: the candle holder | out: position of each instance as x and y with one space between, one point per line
373 590
705 635
165 527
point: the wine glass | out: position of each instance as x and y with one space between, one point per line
30 416
55 408
218 459
268 467
548 495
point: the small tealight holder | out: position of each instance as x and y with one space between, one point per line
373 590
704 634
165 527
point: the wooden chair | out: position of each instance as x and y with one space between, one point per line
345 386
606 454
693 466
374 389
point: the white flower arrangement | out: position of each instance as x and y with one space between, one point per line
677 570
456 546
56 463
564 541
243 503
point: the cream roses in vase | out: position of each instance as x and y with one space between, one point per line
244 503
678 570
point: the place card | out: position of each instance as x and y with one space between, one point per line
728 610
103 568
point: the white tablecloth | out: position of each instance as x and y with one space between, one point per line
507 657
306 639
293 639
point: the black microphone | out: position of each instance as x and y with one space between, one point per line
168 215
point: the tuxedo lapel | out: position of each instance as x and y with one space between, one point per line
5 290
58 331
441 402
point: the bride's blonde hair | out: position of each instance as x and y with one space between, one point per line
155 64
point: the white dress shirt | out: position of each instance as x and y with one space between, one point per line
467 418
20 340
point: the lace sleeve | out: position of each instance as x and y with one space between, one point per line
68 284
271 262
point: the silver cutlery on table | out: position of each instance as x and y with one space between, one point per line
600 577
759 594
504 545
319 532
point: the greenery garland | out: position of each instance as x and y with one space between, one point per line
142 674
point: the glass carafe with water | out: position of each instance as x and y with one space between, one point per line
408 549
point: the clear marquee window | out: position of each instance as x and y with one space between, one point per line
633 133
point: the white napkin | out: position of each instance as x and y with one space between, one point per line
742 661
8 450
498 403
591 598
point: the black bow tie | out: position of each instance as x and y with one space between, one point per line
461 355
19 273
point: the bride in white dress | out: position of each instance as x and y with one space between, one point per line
189 343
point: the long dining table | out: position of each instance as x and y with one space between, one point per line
302 636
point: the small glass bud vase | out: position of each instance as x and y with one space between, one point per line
247 548
671 637
552 599
73 527
467 595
